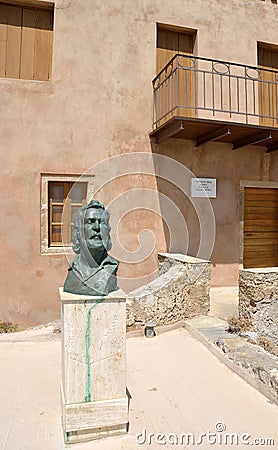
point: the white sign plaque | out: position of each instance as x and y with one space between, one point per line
203 187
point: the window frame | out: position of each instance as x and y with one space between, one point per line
46 246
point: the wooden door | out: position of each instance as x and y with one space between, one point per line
268 59
176 93
260 227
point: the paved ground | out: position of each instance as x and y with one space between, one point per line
176 384
224 301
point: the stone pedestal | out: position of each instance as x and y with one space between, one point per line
94 400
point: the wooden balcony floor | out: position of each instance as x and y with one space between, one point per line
206 130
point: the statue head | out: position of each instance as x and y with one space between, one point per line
91 230
94 271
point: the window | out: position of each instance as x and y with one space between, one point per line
61 197
26 41
64 201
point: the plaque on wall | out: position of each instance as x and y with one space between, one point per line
203 187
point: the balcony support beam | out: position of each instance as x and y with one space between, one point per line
170 131
253 139
216 134
272 148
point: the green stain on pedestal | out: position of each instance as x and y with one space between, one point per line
88 395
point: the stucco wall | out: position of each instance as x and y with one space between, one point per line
99 104
216 160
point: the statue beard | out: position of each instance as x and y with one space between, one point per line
96 248
95 243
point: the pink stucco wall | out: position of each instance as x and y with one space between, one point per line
99 104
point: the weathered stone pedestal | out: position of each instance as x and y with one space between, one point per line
94 400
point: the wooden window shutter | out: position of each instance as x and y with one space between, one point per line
43 46
26 42
13 46
3 38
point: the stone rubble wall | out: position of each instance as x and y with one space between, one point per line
258 300
261 365
181 291
274 2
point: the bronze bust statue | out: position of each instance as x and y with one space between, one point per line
93 272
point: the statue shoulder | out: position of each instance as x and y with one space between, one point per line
110 264
111 260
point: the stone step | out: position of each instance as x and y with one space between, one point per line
251 362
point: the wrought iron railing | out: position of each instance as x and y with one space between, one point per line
190 86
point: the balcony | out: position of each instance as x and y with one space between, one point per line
210 100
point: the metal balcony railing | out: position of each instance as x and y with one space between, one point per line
203 88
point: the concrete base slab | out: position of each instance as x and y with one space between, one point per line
92 420
80 436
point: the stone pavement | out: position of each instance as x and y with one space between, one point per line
251 362
176 385
224 301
